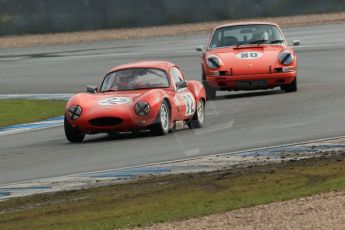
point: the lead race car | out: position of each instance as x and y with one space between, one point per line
150 95
248 56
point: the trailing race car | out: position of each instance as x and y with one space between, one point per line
150 95
248 56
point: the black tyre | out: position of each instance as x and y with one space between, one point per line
72 134
199 116
173 128
210 92
292 87
161 126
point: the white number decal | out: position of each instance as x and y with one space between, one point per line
249 55
114 101
190 103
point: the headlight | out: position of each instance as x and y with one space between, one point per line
286 58
142 108
213 61
74 112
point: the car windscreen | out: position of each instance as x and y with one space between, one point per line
246 35
135 78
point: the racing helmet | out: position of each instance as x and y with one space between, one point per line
260 34
127 76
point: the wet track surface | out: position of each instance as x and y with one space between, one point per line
235 121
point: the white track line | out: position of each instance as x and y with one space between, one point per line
177 161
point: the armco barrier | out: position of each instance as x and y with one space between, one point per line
43 16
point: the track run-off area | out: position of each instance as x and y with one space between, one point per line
234 122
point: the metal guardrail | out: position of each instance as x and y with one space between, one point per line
32 16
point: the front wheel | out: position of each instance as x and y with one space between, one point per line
72 134
199 116
210 92
161 126
292 87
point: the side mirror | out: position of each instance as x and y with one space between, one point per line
200 48
91 89
181 84
296 42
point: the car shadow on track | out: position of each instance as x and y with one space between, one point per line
249 94
118 136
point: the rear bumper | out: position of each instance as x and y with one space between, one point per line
231 82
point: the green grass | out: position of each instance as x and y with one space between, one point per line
14 111
166 198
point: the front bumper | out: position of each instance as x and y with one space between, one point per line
105 123
231 82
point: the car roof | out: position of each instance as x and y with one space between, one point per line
247 23
165 65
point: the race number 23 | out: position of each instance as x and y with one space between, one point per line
190 103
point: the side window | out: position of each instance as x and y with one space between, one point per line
176 75
216 39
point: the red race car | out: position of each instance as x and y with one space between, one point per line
149 95
248 56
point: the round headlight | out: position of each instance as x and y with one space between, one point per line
142 108
74 112
286 58
213 62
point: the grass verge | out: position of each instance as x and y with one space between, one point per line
15 111
174 197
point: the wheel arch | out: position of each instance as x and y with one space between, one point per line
167 100
197 89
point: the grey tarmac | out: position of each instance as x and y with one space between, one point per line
235 121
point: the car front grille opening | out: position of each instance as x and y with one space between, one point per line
223 73
105 121
280 81
278 70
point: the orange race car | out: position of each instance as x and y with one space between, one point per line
248 56
151 95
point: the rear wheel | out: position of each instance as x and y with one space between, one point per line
292 87
173 128
161 126
72 134
199 116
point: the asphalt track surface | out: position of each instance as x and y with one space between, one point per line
235 121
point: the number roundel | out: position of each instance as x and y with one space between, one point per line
249 55
114 101
190 103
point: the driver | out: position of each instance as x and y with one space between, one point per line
260 34
125 80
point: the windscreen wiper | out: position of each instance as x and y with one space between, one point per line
241 43
108 90
258 42
277 41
